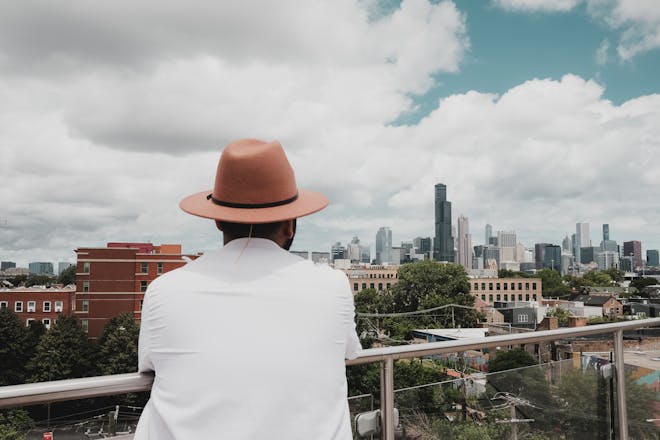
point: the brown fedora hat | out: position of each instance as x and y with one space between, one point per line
254 183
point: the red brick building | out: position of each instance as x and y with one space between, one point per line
112 280
38 303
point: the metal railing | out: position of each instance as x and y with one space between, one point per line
71 389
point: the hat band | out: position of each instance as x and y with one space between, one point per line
251 205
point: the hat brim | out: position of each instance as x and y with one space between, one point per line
308 202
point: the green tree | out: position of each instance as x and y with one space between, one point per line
553 285
39 280
598 279
118 345
12 348
615 274
14 424
511 359
562 315
640 283
515 372
63 353
508 273
68 276
429 284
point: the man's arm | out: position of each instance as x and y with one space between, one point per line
144 361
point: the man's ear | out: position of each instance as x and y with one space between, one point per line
289 228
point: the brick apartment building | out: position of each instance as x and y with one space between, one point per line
38 303
491 290
112 280
372 277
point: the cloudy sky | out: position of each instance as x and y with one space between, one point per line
536 114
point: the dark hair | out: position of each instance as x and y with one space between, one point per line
240 230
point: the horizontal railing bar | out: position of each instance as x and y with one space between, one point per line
419 350
71 389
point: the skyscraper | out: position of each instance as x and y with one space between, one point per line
489 233
582 239
606 232
652 258
566 244
464 243
443 245
633 249
383 245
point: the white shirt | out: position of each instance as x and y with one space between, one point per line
247 342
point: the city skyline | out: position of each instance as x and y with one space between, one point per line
535 114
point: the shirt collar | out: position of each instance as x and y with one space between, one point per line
252 242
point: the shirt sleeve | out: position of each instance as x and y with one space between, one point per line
353 346
144 361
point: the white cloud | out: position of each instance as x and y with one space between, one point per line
102 138
537 5
638 20
601 53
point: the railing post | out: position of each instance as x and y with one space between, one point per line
622 411
387 398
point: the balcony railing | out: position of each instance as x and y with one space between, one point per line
45 392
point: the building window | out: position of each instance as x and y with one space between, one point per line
527 297
526 286
85 286
483 286
143 286
380 286
3 304
523 318
533 286
490 286
483 297
520 297
490 297
389 285
476 286
371 285
497 286
364 286
59 306
534 297
86 267
506 286
355 286
46 323
31 306
18 306
513 286
519 286
46 306
85 305
144 267
28 321
506 297
159 268
84 323
498 297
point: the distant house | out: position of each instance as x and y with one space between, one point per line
611 306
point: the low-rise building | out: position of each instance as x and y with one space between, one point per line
609 305
38 303
112 280
376 277
491 290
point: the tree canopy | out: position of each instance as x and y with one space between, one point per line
64 352
12 348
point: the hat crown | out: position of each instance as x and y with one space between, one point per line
254 172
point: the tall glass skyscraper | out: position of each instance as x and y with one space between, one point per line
443 245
